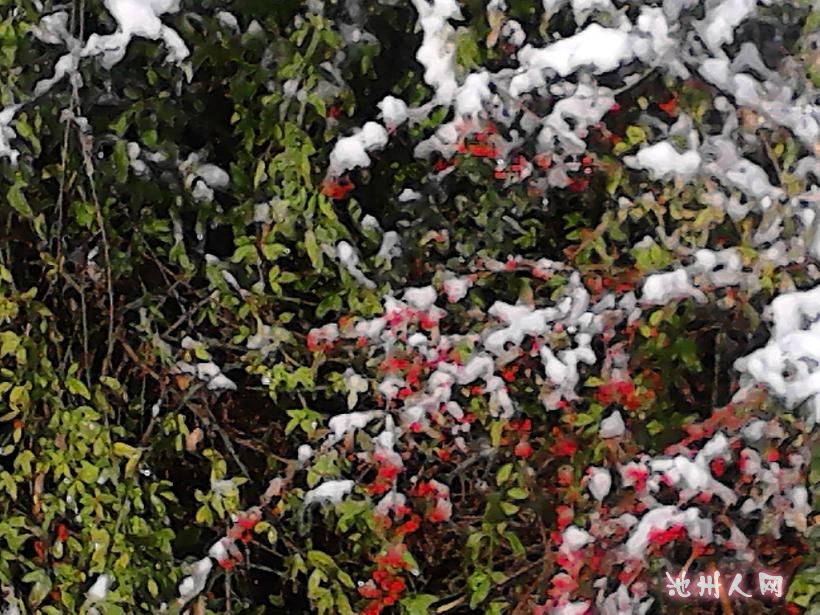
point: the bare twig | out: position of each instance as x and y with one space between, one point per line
228 596
228 443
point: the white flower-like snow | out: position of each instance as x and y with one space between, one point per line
663 518
99 590
612 426
332 491
351 152
788 364
393 111
600 482
661 288
192 585
343 424
662 160
136 18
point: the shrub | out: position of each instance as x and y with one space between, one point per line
438 307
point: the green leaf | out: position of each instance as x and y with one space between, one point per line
654 427
121 449
515 543
418 604
246 253
508 508
9 484
584 419
504 474
204 516
83 213
496 430
8 342
313 250
479 585
121 161
40 588
88 473
259 176
111 383
320 559
635 134
332 302
76 387
345 579
19 398
18 200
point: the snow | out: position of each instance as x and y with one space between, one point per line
521 320
582 9
513 32
663 518
457 288
393 112
603 49
600 482
343 424
797 515
373 136
390 247
213 175
227 20
10 603
391 501
370 223
571 608
218 551
332 491
721 267
718 446
661 288
663 160
304 453
754 430
194 584
473 94
695 474
221 383
370 329
136 18
790 310
480 366
612 426
721 21
67 64
586 106
350 260
224 487
355 384
53 28
7 133
408 195
793 348
351 152
437 51
575 538
652 22
99 590
621 602
774 99
208 372
420 298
